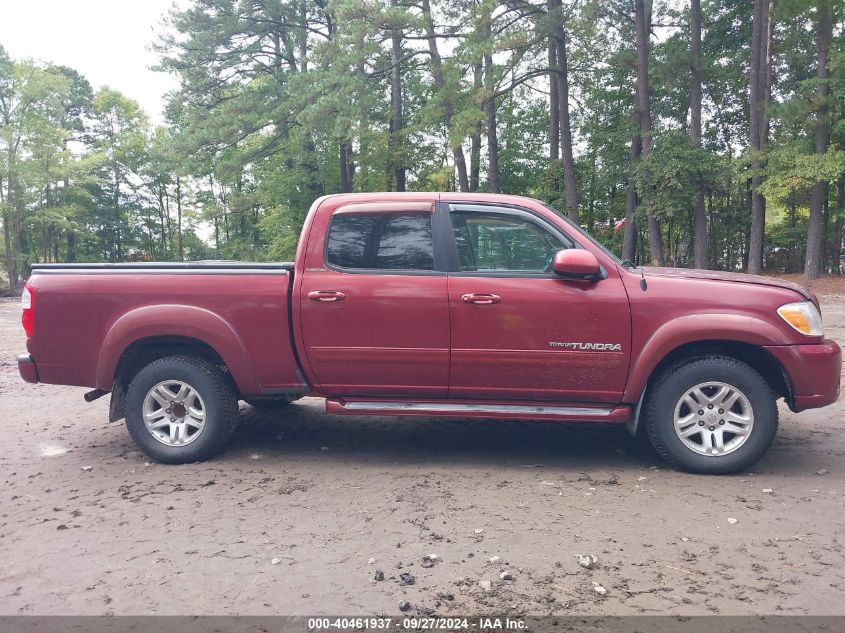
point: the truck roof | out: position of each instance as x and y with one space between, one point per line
431 195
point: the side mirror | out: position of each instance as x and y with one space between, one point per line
576 263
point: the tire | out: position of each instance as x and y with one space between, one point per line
269 404
706 382
205 415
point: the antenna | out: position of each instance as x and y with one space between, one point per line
643 282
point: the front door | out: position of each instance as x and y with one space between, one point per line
373 305
518 330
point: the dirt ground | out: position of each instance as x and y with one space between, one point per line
304 510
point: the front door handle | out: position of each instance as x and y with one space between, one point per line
480 298
326 295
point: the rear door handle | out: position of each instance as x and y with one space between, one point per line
480 298
326 295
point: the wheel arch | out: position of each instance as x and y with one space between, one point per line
151 332
755 356
736 336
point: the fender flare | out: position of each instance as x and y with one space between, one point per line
176 320
697 328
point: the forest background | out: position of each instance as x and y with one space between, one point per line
696 133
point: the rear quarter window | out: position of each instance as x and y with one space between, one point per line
381 241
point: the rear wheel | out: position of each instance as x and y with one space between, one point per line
712 415
180 409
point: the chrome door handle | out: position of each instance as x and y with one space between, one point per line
480 298
326 295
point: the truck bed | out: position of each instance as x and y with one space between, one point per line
165 266
89 317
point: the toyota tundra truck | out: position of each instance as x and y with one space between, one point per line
435 304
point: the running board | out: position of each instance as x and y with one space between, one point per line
467 409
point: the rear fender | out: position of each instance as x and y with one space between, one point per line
176 320
697 328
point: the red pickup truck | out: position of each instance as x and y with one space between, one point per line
436 304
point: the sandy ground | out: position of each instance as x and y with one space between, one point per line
304 510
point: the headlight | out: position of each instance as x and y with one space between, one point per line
803 317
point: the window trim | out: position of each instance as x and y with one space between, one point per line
385 208
454 262
438 256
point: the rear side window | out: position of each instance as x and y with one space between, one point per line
381 241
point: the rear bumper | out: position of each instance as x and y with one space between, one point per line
27 369
814 372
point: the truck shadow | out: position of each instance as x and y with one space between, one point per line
303 429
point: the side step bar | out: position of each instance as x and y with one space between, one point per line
468 409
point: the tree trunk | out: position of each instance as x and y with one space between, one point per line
162 219
629 239
475 138
492 146
554 94
70 255
448 109
840 219
118 250
11 259
567 159
179 218
655 240
591 196
700 250
815 233
493 174
345 180
758 107
8 229
397 124
350 165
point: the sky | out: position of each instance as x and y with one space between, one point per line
108 41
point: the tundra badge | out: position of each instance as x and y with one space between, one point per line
601 347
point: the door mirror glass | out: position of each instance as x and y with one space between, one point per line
577 264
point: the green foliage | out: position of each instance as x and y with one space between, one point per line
282 101
792 171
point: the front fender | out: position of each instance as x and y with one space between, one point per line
697 328
176 320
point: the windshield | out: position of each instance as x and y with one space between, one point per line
582 231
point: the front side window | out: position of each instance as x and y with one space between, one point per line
381 241
500 242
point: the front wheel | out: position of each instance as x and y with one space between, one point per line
712 415
180 409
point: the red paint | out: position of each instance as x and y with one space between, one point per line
504 350
575 263
530 339
814 371
390 333
84 323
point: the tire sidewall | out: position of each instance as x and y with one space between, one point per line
661 415
208 382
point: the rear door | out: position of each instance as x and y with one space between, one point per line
374 310
518 330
